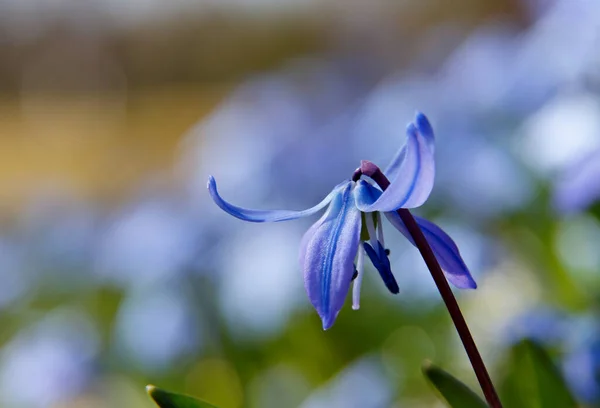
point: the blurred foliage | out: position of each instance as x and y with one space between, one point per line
166 399
532 379
454 392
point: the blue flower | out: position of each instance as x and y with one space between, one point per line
579 186
351 227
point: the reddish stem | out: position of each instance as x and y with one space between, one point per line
371 170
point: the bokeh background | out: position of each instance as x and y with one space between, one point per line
116 269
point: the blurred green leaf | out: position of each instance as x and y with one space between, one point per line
166 399
454 392
533 381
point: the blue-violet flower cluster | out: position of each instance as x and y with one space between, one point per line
332 251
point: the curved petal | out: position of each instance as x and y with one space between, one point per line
393 169
426 131
381 262
328 254
444 248
411 173
265 215
365 194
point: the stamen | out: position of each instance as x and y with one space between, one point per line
380 229
382 264
371 228
387 252
358 281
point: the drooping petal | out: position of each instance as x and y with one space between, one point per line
266 215
381 262
328 255
444 248
411 173
308 235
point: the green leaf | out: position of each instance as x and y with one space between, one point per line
455 393
533 381
166 399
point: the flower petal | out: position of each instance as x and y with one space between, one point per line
412 171
444 248
381 262
425 129
394 167
266 215
328 254
308 235
365 194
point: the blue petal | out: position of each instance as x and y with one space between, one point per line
381 262
308 235
394 167
425 128
327 255
426 131
365 194
443 247
411 173
266 215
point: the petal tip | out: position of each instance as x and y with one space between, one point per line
211 182
411 129
470 282
463 282
327 322
420 117
424 126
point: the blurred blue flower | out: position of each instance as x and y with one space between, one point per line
50 362
582 371
579 186
351 226
541 324
364 383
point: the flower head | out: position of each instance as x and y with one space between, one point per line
332 250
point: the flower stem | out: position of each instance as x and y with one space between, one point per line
371 170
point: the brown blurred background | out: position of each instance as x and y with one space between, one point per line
94 95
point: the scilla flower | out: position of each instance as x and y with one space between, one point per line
579 185
332 250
